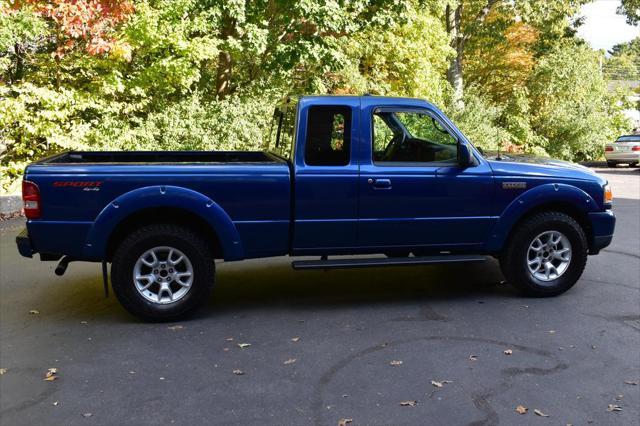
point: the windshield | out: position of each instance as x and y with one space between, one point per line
629 138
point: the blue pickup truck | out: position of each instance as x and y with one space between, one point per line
341 176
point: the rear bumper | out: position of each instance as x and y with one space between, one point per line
623 157
602 224
24 244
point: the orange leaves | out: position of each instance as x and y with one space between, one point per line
87 22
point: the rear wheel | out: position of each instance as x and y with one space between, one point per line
611 163
546 255
633 164
162 272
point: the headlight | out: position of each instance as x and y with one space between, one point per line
608 195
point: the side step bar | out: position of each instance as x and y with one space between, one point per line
392 261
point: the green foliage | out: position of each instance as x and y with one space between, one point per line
624 62
573 110
630 8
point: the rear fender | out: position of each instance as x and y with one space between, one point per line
157 197
528 201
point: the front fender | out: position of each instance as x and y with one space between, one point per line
529 200
157 197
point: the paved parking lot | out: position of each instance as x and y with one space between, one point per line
322 345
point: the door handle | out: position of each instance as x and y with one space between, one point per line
380 183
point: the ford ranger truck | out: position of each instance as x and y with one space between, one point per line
341 176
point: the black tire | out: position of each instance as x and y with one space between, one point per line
633 164
514 260
192 245
611 163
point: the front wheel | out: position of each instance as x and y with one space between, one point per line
611 163
546 255
162 272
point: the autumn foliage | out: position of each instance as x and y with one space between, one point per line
89 23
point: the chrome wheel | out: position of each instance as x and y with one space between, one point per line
549 255
163 275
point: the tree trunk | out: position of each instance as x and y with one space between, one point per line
223 76
454 73
19 52
225 73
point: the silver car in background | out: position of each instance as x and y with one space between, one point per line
626 149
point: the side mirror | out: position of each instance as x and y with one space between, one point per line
465 156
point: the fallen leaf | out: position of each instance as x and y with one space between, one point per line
408 403
175 327
473 358
229 339
55 404
244 345
225 349
83 322
395 363
295 339
540 413
51 375
161 378
552 332
614 407
238 372
508 352
87 414
3 371
344 422
441 383
132 372
629 382
34 312
520 409
290 361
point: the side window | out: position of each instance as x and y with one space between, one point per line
328 136
411 137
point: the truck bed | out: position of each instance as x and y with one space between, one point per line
78 189
163 157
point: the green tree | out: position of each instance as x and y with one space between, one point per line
630 8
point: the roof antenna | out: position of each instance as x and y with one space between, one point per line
499 156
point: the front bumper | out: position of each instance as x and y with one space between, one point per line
602 225
24 243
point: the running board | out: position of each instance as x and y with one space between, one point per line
390 261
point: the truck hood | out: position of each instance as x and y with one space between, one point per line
524 165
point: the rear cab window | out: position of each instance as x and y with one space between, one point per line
282 131
328 133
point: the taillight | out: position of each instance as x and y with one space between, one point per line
635 148
608 148
31 200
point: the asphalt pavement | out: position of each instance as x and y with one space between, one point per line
438 345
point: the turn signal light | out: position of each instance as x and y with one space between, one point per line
635 148
31 200
608 195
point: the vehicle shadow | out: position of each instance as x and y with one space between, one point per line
273 284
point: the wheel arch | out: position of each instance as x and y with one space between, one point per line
158 204
567 199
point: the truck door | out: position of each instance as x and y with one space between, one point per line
413 195
326 173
